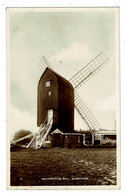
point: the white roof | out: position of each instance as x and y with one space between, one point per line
107 132
57 131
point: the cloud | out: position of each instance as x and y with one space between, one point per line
106 105
18 119
76 52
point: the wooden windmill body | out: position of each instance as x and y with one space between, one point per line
46 125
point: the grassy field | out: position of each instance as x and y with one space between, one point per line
61 166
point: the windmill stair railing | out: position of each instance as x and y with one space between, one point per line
39 138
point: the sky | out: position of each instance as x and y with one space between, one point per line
69 39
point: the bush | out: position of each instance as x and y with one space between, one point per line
108 143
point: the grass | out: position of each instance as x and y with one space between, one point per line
62 166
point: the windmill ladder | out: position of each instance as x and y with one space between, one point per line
39 138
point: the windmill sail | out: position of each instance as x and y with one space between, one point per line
89 70
43 64
85 113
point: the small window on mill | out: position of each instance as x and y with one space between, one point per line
49 93
47 83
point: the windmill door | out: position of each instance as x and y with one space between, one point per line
49 115
56 140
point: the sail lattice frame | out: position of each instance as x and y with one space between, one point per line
89 70
85 113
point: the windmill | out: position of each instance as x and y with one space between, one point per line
77 81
